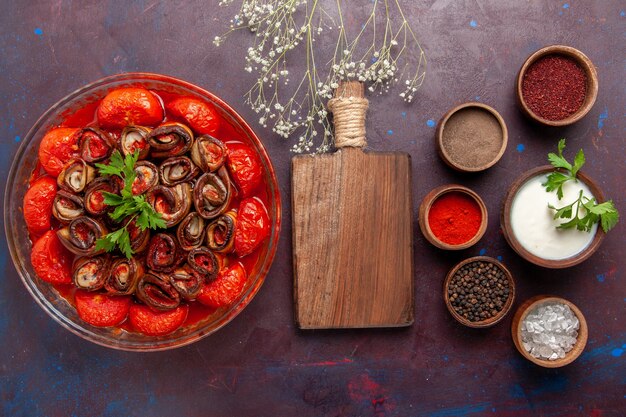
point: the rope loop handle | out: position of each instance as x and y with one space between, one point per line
349 120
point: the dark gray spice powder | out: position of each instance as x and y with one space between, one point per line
472 137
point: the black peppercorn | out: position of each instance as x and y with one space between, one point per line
479 291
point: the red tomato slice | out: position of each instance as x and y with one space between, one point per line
51 260
245 167
225 289
101 310
199 115
253 226
130 106
38 204
153 323
57 147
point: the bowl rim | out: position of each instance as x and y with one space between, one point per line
82 329
441 127
524 309
507 229
427 203
586 65
492 320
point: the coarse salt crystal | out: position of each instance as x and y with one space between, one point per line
550 331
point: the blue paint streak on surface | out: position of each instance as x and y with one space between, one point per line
460 411
566 6
499 257
520 147
600 277
374 59
38 31
617 352
552 384
404 114
561 13
17 138
482 251
622 13
603 116
116 408
445 358
430 123
602 351
477 98
390 132
473 23
517 391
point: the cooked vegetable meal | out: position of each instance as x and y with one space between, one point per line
145 213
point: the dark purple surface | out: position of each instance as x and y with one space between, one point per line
260 364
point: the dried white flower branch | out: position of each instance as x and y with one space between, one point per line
373 56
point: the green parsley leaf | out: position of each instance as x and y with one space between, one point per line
592 212
579 161
605 213
555 181
563 212
129 165
109 241
609 219
558 161
146 220
124 243
111 199
126 205
115 166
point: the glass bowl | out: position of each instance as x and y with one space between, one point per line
19 243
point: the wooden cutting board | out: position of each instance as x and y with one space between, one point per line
352 233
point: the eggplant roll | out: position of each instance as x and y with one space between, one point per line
212 194
220 234
94 197
67 206
164 253
124 276
204 262
146 177
156 292
170 139
95 144
208 153
190 232
172 203
176 170
91 273
135 138
186 281
80 236
75 176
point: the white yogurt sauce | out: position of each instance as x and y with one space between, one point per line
533 224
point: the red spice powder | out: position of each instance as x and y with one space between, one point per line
554 87
454 218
